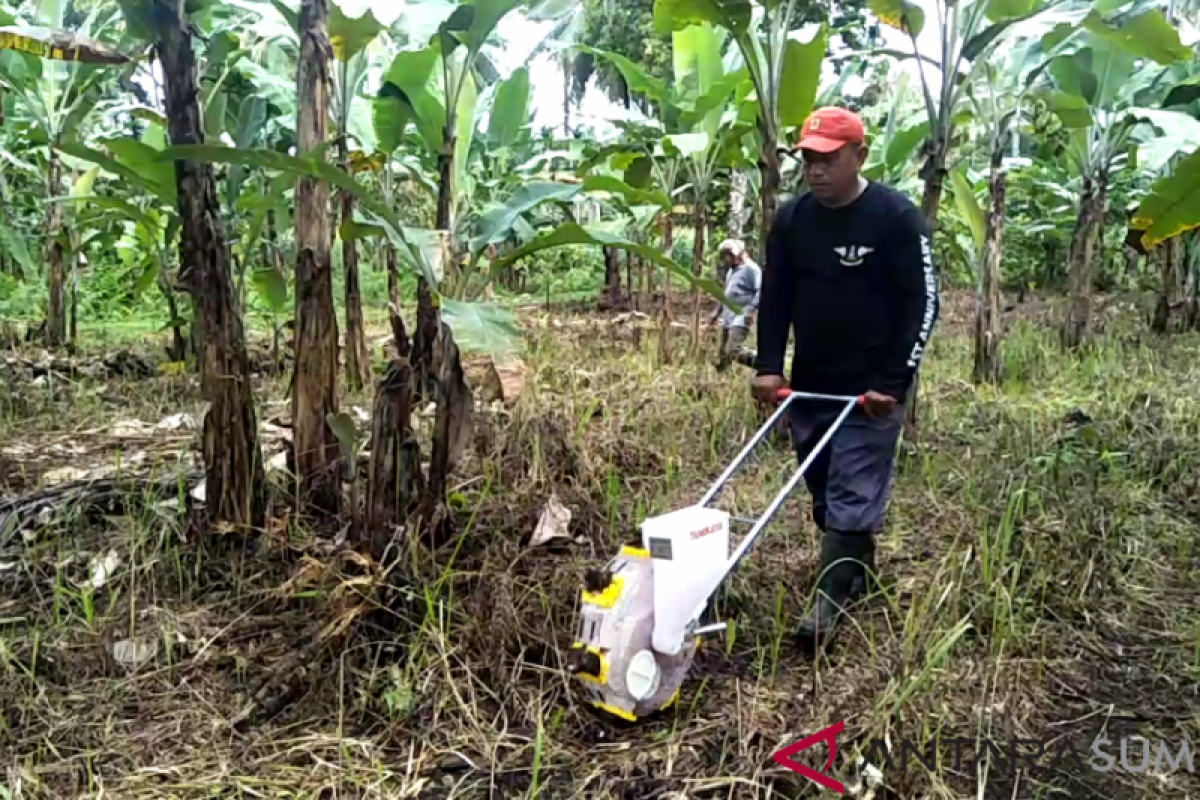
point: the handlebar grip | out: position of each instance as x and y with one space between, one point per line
784 393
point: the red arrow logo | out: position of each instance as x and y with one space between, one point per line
827 735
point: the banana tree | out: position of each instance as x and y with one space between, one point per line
55 76
899 129
699 116
968 41
142 198
640 160
983 255
1169 213
1171 207
351 38
1162 159
493 177
436 88
785 72
19 181
475 325
234 486
1177 134
702 96
1097 87
999 105
966 37
354 43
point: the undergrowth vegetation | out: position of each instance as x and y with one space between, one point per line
335 361
1039 575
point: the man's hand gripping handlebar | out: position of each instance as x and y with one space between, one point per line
769 390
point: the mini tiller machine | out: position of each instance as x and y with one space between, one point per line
640 615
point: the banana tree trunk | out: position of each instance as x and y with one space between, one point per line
358 364
9 265
426 333
393 270
445 204
629 287
669 249
636 282
612 276
179 346
393 275
698 271
394 480
934 176
437 362
664 317
266 255
931 197
1078 327
648 279
232 457
1170 254
1191 286
74 332
987 320
771 182
739 211
56 258
314 392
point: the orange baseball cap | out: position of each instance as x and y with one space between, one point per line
829 128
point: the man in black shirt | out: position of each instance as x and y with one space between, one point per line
849 271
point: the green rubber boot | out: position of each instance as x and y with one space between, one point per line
847 567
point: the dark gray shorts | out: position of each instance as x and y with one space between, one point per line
851 479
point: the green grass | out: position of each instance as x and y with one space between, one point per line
1039 579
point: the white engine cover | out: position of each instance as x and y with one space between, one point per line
689 549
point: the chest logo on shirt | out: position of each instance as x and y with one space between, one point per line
853 255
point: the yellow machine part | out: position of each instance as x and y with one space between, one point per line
617 712
602 678
607 598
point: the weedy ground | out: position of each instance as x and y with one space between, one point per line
1040 575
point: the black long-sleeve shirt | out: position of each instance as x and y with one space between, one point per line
857 287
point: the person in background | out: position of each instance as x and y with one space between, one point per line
743 282
849 271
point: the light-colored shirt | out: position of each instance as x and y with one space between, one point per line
742 286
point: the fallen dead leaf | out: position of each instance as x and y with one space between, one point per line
64 475
134 652
131 427
510 377
629 315
177 422
103 569
553 523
